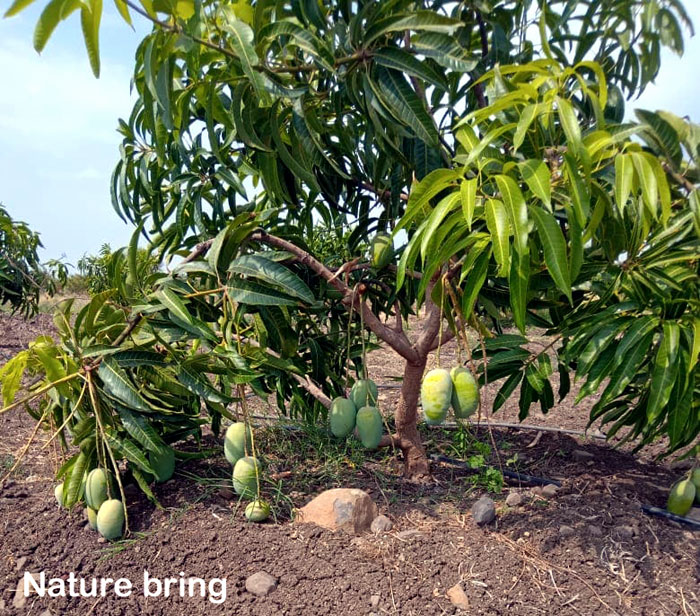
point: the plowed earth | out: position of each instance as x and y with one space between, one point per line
586 550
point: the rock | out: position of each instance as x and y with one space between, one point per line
484 511
550 490
514 499
407 535
20 600
260 584
46 613
346 509
624 531
694 513
566 531
21 562
374 601
581 455
595 531
381 524
458 597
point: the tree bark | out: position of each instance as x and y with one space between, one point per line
416 464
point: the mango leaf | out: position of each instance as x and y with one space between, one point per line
647 180
665 370
518 283
536 175
11 376
54 11
554 247
404 62
497 224
141 430
422 192
506 390
126 448
400 97
427 21
624 177
273 273
73 486
517 210
118 384
200 385
468 194
90 17
570 124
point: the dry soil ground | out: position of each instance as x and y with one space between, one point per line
586 550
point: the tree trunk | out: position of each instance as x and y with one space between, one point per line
415 459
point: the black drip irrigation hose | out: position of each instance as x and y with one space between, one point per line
662 513
540 481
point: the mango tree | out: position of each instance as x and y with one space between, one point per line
488 137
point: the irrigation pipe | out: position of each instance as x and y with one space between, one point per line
662 513
540 481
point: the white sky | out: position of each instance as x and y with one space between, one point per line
58 143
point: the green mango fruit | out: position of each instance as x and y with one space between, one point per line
92 517
382 250
695 478
364 393
245 476
96 488
257 511
110 519
436 395
58 493
237 441
342 417
681 497
465 392
369 426
162 463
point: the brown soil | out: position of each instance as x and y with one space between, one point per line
587 550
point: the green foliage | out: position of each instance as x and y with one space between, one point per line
22 277
495 149
103 272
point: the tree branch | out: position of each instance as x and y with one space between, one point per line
351 298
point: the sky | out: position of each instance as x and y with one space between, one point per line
58 139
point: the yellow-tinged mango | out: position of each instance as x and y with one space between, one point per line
96 488
245 476
695 478
110 519
342 417
436 395
465 392
58 493
257 511
681 497
92 517
237 442
369 426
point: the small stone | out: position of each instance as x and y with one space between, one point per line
484 511
20 600
374 601
407 535
514 499
458 597
260 584
21 562
581 455
595 531
46 613
101 540
566 531
381 524
624 531
340 509
694 514
550 490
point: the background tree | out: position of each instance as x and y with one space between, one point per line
488 136
22 276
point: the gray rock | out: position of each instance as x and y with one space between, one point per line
581 455
694 514
20 600
381 524
374 601
624 531
514 499
21 562
484 511
260 584
549 491
458 597
566 531
346 509
408 535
